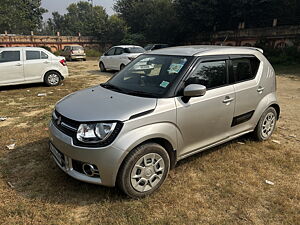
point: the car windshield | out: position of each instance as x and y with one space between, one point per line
148 47
134 50
149 75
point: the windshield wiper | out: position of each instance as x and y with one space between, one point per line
126 91
112 87
142 94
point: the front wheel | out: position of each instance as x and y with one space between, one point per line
52 78
102 67
266 125
144 170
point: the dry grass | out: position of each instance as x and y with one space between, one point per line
225 185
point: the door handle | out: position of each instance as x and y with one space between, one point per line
18 64
260 89
46 62
228 99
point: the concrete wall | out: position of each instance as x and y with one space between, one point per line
275 37
54 42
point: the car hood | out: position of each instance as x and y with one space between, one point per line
100 104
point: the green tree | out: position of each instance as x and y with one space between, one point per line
117 29
155 20
21 16
82 18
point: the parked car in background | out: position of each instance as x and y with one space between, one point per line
132 129
118 57
151 47
21 65
74 52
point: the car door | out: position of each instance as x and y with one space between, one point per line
11 66
108 57
205 120
117 58
36 64
247 73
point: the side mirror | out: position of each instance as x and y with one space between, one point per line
194 90
105 54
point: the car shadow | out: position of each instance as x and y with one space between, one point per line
31 172
21 86
243 139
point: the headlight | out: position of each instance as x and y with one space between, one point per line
95 133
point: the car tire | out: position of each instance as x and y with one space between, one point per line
52 78
102 67
266 125
122 67
84 59
144 170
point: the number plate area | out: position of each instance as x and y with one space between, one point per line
57 155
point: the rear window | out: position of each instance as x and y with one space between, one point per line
245 68
9 56
134 50
77 48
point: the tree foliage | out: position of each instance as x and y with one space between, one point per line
21 16
171 21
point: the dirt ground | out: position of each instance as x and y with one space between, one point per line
225 185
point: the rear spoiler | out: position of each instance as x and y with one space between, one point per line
258 49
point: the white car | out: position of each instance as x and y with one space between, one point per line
117 57
19 65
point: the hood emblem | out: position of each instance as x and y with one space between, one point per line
58 122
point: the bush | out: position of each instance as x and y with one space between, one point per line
47 48
280 56
58 53
93 53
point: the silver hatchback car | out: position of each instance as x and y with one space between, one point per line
164 106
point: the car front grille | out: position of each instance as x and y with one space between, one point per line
64 124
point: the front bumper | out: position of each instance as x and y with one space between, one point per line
107 159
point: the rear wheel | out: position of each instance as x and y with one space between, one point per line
122 66
52 78
144 170
266 125
102 67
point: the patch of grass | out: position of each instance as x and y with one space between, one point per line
93 53
224 185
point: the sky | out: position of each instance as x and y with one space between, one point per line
61 5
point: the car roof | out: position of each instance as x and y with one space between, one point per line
20 48
126 46
201 50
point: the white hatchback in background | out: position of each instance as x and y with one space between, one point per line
20 65
117 57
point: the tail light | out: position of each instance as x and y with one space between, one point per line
63 62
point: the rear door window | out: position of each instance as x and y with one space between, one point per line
119 51
245 68
111 52
33 55
9 56
44 55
